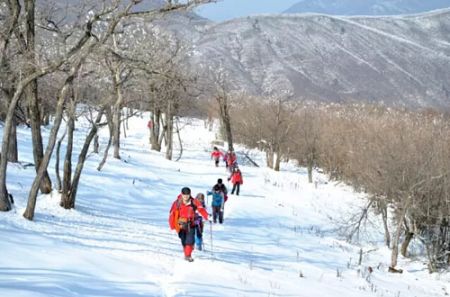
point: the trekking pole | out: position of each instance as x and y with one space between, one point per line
211 238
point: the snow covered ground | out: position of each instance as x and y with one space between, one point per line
281 236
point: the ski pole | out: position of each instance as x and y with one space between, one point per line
211 238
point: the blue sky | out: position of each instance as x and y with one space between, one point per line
229 9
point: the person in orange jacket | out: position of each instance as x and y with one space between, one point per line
216 155
182 219
236 180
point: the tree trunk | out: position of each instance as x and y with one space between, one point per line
179 141
310 172
225 119
277 158
404 248
169 131
154 138
31 205
269 158
162 136
117 114
67 173
5 204
111 128
124 123
31 93
396 239
82 159
384 216
58 176
96 144
12 150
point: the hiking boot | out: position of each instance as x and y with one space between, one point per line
189 259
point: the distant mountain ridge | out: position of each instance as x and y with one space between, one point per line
367 7
399 60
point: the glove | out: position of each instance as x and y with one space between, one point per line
228 179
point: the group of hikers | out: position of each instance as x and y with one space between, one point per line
188 213
230 160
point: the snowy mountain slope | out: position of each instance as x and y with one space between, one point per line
367 7
280 237
395 60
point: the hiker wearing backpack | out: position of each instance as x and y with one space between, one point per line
217 204
222 189
199 223
216 155
236 180
231 160
182 219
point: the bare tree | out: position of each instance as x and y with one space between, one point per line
81 44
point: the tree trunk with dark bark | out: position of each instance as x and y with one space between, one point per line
109 121
222 100
67 173
404 248
155 130
96 144
117 112
169 131
31 93
31 205
58 176
12 150
82 159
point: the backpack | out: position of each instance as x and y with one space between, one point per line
181 223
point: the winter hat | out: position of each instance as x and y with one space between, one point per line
186 191
216 188
219 181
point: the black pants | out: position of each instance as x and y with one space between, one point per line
187 235
217 213
236 187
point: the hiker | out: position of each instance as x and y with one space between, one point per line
216 155
222 188
231 160
182 219
199 223
236 180
217 204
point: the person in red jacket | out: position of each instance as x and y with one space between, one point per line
236 180
216 155
182 219
231 160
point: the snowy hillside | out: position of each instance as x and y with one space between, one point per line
367 7
281 236
395 60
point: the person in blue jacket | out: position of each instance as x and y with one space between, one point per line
217 204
